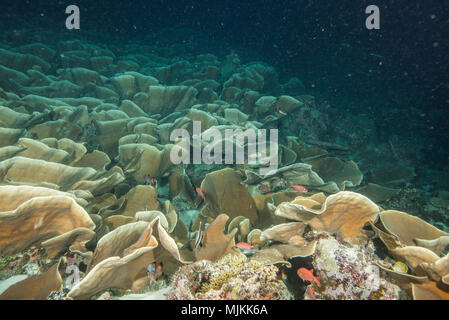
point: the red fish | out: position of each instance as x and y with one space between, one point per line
200 192
244 246
307 275
298 187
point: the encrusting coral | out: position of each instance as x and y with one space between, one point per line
230 278
347 271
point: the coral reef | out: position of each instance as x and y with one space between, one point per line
230 278
93 207
349 272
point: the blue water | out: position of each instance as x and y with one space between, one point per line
398 75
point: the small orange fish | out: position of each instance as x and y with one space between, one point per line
307 275
298 187
244 246
200 192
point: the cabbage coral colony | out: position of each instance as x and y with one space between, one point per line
92 205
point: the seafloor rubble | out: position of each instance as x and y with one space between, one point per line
91 207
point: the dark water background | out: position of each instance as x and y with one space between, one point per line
398 75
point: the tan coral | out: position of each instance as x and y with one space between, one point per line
414 256
115 221
75 150
97 160
235 115
35 287
254 237
404 280
80 76
101 203
244 228
234 224
283 232
9 152
75 239
149 216
76 115
13 196
180 232
102 182
286 104
345 213
376 192
206 120
171 215
133 156
407 227
37 172
215 243
344 174
132 109
116 241
429 280
265 210
287 196
436 245
286 155
225 193
242 225
40 219
38 150
280 254
164 100
138 138
390 241
127 269
430 291
177 185
139 198
108 134
314 202
445 279
297 173
140 160
9 136
148 128
13 119
438 269
56 129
